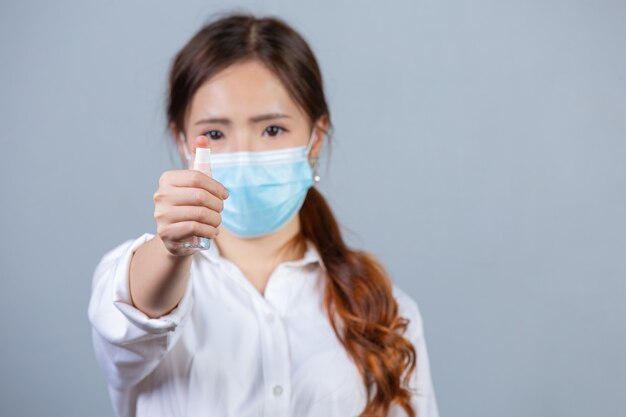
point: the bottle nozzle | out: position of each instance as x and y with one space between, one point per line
203 156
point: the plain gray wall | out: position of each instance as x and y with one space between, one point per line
480 152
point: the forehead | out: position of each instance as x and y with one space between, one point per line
243 90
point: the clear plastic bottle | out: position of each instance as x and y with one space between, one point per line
202 162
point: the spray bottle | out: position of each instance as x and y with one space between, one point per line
202 163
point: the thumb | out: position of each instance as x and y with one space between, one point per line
200 141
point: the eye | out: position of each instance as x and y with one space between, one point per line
214 134
274 130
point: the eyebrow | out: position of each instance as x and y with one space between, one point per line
255 119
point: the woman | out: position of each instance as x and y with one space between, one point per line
278 317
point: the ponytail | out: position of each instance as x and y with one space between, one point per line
362 310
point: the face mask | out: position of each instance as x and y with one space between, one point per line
266 188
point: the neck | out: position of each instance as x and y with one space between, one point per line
260 255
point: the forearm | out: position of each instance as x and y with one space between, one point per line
157 279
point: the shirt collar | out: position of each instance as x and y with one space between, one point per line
311 255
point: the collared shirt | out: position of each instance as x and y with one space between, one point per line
228 350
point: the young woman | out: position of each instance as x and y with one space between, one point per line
278 317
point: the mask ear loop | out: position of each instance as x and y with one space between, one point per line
309 144
316 177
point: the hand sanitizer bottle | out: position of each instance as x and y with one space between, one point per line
202 162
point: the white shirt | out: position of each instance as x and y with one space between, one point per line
228 350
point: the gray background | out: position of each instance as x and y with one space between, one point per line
479 152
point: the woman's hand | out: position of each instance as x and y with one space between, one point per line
186 204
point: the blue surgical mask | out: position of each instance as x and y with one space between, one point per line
266 188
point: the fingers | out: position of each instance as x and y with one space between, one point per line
193 179
178 214
187 203
177 232
201 141
185 196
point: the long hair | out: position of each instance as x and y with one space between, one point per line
358 298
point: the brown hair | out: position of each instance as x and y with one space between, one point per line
358 298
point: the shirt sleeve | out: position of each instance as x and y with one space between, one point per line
423 401
128 344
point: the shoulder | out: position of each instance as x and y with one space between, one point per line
408 308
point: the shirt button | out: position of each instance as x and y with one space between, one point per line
270 317
278 390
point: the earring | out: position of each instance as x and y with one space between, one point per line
316 177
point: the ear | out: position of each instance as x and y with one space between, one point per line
320 133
